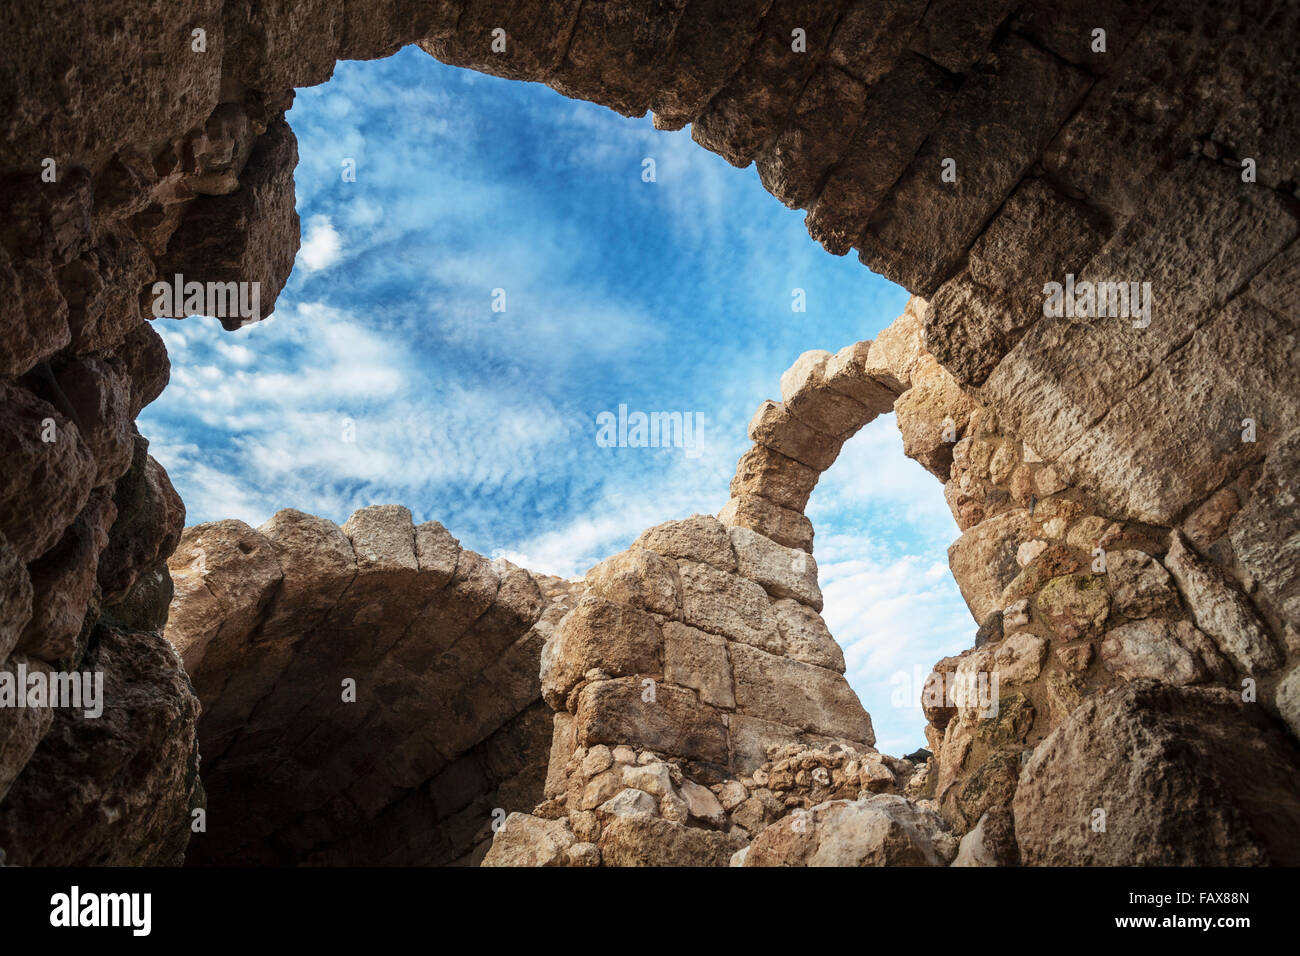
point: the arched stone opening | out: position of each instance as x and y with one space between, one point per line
369 692
170 154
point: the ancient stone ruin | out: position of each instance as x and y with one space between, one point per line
1121 455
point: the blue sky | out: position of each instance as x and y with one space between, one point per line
673 295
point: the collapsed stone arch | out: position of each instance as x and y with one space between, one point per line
170 159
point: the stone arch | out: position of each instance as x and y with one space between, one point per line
441 645
825 400
719 619
175 159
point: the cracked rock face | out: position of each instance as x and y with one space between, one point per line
130 152
116 789
1151 757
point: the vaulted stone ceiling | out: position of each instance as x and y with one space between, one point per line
972 151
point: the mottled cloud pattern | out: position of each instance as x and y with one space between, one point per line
385 375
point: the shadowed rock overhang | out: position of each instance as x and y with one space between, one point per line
974 152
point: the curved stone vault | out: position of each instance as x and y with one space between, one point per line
445 723
1165 154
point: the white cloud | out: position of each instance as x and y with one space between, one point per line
321 247
610 524
485 421
881 521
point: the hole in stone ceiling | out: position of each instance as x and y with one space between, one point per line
385 375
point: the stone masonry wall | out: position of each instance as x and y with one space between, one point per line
697 721
1163 151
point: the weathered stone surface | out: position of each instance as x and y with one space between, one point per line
991 843
436 553
1153 757
1139 584
1211 520
100 289
816 136
45 483
617 52
804 636
627 802
769 474
1221 611
139 757
807 395
698 660
21 729
752 107
983 560
224 573
615 711
1110 416
32 284
1287 700
534 38
638 578
799 695
1155 649
150 519
525 840
879 151
1074 606
639 840
100 398
1019 659
996 146
932 415
452 698
975 318
783 572
898 352
143 359
700 538
726 604
1266 532
703 805
753 738
250 235
63 584
882 830
15 598
774 426
653 777
856 370
383 539
783 525
711 41
317 562
617 639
